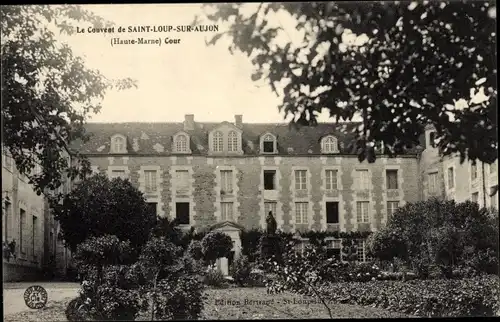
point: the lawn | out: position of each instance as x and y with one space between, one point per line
236 303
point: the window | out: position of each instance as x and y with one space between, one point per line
269 179
118 144
392 179
152 209
302 246
362 179
218 142
182 212
473 171
226 210
118 174
182 180
150 180
362 211
226 181
451 178
270 207
361 249
301 212
181 143
332 212
6 220
268 143
329 145
232 141
432 139
475 197
391 208
331 179
22 226
432 178
33 235
300 179
334 248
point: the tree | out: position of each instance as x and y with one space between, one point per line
441 234
398 65
99 206
47 92
215 245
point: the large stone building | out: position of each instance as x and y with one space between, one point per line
228 176
231 174
27 221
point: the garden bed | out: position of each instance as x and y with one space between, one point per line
237 303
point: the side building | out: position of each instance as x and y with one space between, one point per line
31 247
446 177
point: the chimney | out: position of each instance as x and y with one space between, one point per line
238 120
188 122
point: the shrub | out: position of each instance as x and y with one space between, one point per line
213 277
75 311
182 298
250 244
241 271
99 206
433 237
195 250
426 298
174 283
114 297
216 245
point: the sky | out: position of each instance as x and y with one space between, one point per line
186 78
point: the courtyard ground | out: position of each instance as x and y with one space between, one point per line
231 303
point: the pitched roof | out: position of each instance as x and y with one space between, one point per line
157 138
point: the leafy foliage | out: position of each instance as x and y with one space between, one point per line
431 298
250 243
213 277
182 299
115 297
195 250
102 250
47 92
99 206
9 249
397 65
441 235
110 289
241 271
174 281
216 245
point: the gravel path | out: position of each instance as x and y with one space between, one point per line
13 295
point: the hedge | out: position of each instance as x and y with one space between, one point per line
426 298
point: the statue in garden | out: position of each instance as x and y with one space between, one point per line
271 223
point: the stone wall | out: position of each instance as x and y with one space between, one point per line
249 196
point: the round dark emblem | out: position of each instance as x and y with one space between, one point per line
35 297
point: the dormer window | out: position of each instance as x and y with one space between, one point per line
218 142
118 144
181 143
268 143
329 144
226 138
232 141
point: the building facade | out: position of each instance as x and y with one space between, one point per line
30 228
229 176
232 174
